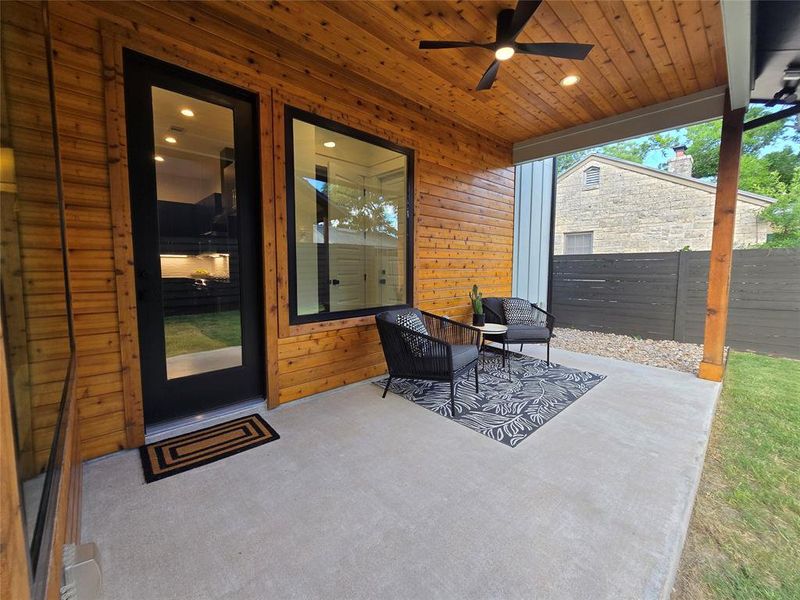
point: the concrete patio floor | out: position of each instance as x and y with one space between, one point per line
364 497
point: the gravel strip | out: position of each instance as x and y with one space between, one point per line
668 354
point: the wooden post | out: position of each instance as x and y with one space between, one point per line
719 272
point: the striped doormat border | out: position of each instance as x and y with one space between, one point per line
183 452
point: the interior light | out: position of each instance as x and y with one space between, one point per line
187 112
158 158
329 144
570 80
504 53
170 140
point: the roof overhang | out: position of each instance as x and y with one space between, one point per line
737 26
737 17
694 108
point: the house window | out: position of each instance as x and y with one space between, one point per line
349 212
591 177
578 243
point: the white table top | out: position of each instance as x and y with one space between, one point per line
491 328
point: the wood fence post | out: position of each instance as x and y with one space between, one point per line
719 272
681 289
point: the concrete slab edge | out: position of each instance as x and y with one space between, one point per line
675 560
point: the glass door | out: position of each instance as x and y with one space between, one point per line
194 203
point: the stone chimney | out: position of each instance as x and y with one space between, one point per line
681 163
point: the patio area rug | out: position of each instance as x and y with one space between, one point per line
506 411
190 450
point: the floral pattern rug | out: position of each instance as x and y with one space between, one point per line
506 409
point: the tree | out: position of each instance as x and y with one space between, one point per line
755 175
783 162
784 216
702 143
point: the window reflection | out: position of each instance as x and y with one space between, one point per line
350 226
198 233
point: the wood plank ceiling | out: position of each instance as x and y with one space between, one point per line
645 53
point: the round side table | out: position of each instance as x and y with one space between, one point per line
490 329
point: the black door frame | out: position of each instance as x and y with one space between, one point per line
165 399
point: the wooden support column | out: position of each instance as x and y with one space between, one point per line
719 272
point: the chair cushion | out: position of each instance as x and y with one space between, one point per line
527 333
518 311
410 320
464 355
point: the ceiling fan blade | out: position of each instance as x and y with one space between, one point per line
574 51
522 14
434 45
488 78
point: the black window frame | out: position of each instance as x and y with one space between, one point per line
290 114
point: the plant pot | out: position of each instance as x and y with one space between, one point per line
479 320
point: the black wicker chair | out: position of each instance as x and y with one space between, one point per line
538 333
450 349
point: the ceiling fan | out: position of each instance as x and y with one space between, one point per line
510 23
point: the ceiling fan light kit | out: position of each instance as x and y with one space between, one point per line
510 23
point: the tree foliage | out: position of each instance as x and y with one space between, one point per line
784 216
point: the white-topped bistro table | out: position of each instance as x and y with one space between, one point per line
490 329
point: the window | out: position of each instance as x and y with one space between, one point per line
591 177
578 243
349 220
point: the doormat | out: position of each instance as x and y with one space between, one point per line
183 452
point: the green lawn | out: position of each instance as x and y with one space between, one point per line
196 333
744 538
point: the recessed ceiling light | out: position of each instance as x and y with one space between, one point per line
170 140
329 144
187 112
504 53
570 80
158 158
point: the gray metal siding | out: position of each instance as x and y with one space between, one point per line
533 203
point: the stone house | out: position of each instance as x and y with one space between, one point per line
610 205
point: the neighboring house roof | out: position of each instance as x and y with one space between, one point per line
743 196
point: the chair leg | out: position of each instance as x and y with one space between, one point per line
388 383
452 397
476 378
520 347
548 353
504 355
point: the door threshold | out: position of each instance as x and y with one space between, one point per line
168 429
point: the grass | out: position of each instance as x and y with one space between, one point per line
744 538
196 333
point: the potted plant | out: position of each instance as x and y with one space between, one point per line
478 318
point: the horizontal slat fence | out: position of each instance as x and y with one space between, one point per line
662 295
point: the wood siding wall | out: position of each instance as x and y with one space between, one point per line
32 270
463 205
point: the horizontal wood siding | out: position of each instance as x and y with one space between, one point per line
463 204
663 296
